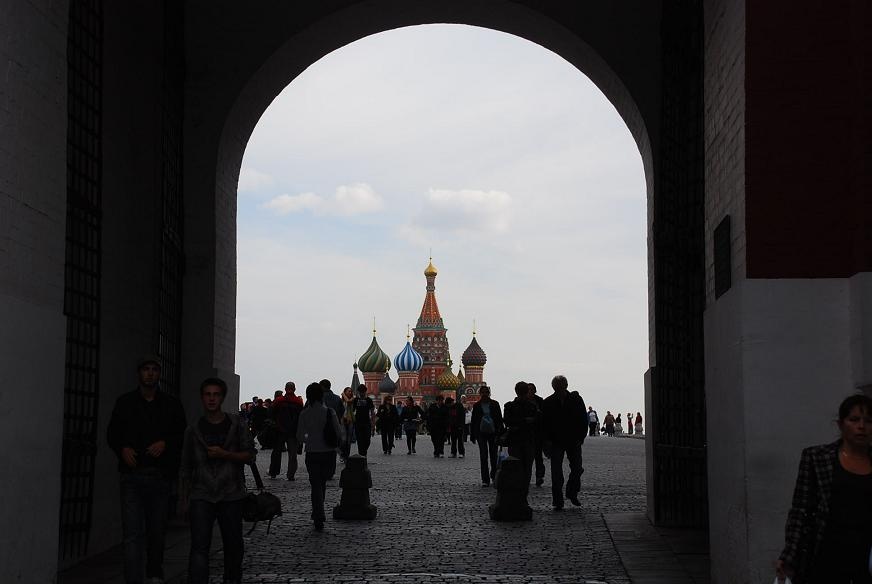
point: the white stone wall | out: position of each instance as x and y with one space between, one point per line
33 116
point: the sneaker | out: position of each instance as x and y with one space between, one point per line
574 500
485 484
557 508
460 456
409 452
540 482
272 476
452 456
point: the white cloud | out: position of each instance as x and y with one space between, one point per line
465 211
251 180
348 200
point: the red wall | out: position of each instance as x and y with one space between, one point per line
809 138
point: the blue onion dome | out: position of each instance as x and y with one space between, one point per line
409 359
448 381
387 385
374 360
474 355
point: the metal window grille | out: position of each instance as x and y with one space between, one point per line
678 384
172 216
81 274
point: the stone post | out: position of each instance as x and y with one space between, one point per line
512 486
355 481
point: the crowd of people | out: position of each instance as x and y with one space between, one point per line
611 425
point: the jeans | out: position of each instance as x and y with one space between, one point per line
144 510
411 438
487 449
573 484
345 447
591 429
437 435
203 515
457 442
387 437
364 439
288 441
319 465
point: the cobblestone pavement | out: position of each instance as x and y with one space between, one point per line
433 525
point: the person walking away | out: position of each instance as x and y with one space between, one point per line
364 420
145 431
286 413
456 425
629 423
487 422
609 422
320 456
828 533
259 415
537 441
619 427
410 418
334 402
592 421
563 418
638 424
212 483
437 423
387 420
521 417
467 416
398 430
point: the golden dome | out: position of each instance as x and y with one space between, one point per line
431 269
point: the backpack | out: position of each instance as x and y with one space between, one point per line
262 506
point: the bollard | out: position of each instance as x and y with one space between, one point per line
355 482
512 486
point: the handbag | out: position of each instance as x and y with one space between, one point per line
262 506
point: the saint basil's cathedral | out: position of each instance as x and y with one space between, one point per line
424 365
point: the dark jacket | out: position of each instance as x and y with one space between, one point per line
215 480
521 417
334 402
286 412
564 422
807 518
410 417
387 418
496 415
137 424
456 417
437 418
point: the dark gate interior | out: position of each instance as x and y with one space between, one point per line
82 274
677 380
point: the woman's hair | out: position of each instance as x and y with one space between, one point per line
521 388
314 392
849 403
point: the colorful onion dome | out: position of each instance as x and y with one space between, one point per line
460 375
447 381
430 270
387 385
374 360
474 355
409 359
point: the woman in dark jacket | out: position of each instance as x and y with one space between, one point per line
486 425
828 535
411 417
386 420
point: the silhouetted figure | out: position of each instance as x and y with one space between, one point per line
145 432
334 402
563 417
364 416
410 419
456 426
487 422
437 424
537 442
320 456
387 420
521 417
285 413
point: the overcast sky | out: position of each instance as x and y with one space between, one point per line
494 152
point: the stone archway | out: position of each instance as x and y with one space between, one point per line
648 64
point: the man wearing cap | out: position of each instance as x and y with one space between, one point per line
146 431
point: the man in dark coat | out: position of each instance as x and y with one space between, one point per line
456 425
537 442
564 419
486 425
145 431
285 413
437 422
334 402
521 417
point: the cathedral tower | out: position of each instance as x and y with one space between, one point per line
430 338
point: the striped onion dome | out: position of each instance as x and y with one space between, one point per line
448 381
474 355
409 359
374 360
387 385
